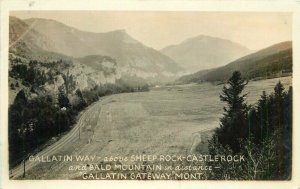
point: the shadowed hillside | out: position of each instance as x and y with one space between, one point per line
274 61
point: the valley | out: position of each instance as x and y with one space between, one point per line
91 97
165 120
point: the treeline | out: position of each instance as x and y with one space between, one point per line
98 91
261 133
35 73
35 121
28 74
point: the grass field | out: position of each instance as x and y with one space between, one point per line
165 120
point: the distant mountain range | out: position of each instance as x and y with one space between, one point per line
88 58
132 57
274 61
97 58
205 52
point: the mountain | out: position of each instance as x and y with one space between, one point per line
132 57
204 52
34 69
19 31
46 55
28 43
274 61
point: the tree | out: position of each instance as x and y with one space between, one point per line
278 123
232 126
81 103
62 121
69 82
258 120
21 99
17 112
288 130
63 99
266 141
262 109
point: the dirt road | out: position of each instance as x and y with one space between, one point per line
165 121
77 131
119 125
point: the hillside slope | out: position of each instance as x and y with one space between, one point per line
276 60
28 43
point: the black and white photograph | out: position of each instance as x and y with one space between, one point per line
148 95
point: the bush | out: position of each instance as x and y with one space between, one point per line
260 162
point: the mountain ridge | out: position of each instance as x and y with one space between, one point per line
204 52
132 57
202 36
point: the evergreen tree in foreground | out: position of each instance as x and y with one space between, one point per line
232 127
263 136
272 120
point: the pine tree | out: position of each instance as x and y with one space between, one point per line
232 127
262 125
269 126
288 132
278 123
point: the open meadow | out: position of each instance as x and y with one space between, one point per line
165 120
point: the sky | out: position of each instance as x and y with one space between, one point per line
159 29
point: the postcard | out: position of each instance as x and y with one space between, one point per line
107 94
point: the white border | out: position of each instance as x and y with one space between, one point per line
148 5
